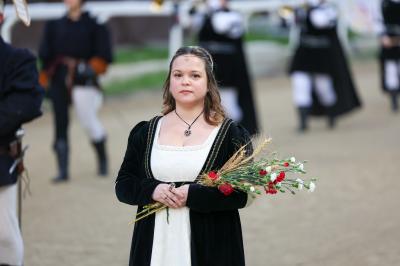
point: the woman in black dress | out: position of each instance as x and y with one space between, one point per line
193 136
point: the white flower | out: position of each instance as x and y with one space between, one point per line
268 169
301 167
292 159
252 189
273 177
311 187
299 184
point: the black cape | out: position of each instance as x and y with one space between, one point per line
230 69
20 99
320 52
216 234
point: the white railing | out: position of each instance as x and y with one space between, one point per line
105 10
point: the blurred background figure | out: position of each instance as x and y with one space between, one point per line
20 101
321 80
220 31
390 50
74 51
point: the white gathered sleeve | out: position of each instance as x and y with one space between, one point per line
324 17
229 23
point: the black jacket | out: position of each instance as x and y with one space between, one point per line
20 99
216 235
82 40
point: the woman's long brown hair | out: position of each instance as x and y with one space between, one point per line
213 110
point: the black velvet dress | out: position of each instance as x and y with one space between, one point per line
216 234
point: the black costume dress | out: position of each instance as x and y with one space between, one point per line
230 67
216 234
319 52
20 100
391 22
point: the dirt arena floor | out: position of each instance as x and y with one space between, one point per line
351 218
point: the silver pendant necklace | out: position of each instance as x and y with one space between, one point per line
188 131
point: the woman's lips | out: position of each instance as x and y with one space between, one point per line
185 91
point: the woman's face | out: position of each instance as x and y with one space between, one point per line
188 81
73 4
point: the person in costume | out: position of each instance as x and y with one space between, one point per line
390 50
20 100
74 51
165 157
321 79
220 31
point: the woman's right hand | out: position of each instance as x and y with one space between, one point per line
163 193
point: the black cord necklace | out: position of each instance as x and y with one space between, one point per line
188 132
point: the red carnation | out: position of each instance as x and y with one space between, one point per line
271 185
280 177
213 175
263 172
286 164
226 189
271 191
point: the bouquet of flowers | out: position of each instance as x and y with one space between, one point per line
252 174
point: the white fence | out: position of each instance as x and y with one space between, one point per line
353 13
106 10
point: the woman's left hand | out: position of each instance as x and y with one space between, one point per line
182 193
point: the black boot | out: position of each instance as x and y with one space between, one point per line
303 116
62 152
100 148
393 97
331 118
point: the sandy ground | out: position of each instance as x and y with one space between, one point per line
351 219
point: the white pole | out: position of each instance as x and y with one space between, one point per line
175 39
343 24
